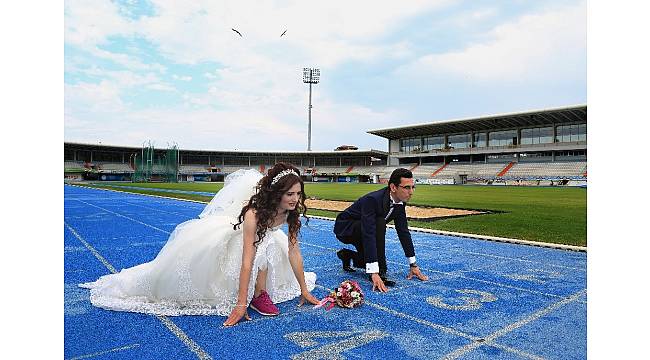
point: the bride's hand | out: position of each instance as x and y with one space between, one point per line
236 314
309 297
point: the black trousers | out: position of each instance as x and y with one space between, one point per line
358 257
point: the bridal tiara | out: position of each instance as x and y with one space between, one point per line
282 174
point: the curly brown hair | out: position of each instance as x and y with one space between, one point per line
267 197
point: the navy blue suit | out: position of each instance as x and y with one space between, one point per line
363 225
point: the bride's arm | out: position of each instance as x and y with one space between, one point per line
248 255
295 259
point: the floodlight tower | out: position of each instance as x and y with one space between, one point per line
310 76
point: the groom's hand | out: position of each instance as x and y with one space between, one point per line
415 271
377 283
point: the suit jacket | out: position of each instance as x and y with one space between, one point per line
366 209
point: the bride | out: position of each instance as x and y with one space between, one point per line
233 256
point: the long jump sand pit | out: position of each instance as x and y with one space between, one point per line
412 212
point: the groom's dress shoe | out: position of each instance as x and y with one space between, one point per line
346 259
387 281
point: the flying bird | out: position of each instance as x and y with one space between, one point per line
285 31
238 33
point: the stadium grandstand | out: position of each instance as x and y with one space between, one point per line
119 163
537 147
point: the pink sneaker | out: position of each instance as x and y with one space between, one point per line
263 305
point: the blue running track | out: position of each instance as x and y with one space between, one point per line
484 300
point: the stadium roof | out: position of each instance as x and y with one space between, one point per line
106 147
560 115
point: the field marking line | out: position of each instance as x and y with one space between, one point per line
483 237
126 217
68 198
524 259
132 193
90 248
105 352
394 312
392 262
431 231
455 275
170 325
295 311
158 210
530 318
131 203
445 329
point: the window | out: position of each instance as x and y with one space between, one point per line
503 138
293 160
410 145
353 161
480 140
327 161
196 159
537 136
235 160
68 155
459 141
433 142
571 133
262 160
99 156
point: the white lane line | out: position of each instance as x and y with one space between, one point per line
490 338
105 352
158 210
193 346
499 256
140 194
92 249
442 272
444 329
454 275
482 237
126 217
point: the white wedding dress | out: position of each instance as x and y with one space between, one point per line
197 271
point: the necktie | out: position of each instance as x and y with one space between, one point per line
390 210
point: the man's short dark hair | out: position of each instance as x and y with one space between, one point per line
398 174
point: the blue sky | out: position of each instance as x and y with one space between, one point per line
171 71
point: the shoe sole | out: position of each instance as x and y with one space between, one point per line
346 267
263 313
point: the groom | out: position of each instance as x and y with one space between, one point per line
363 225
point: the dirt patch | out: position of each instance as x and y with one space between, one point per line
412 212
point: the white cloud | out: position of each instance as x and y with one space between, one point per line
85 98
255 97
336 124
88 23
182 78
325 35
472 17
161 87
533 46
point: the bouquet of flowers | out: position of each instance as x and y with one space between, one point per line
347 295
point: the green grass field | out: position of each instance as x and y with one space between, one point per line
555 215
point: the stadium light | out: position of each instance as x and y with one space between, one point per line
310 76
